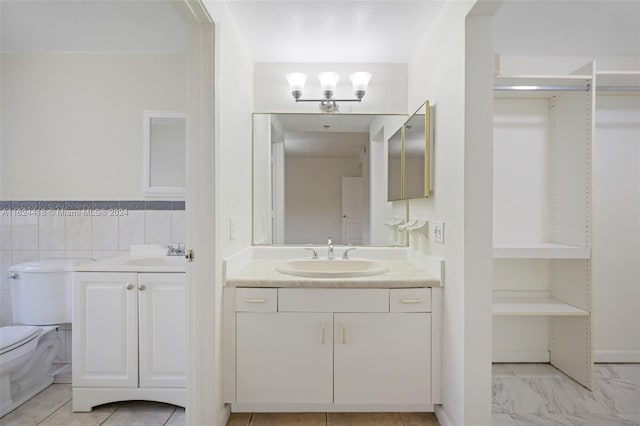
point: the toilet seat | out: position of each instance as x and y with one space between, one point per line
12 337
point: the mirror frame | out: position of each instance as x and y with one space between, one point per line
148 189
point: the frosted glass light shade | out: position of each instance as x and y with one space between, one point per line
360 80
296 81
328 81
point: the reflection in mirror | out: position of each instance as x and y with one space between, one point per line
164 153
321 175
416 154
394 166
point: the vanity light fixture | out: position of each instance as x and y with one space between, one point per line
328 81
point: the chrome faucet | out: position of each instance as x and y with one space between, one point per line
346 253
175 251
314 254
330 253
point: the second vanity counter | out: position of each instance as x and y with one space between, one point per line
401 274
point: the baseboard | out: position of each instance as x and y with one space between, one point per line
441 414
616 356
225 413
517 356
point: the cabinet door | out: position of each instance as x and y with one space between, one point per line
105 329
163 330
382 358
284 357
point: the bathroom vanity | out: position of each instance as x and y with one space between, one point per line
129 324
332 344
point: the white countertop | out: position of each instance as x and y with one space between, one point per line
401 274
124 264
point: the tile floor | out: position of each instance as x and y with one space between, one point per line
523 395
539 394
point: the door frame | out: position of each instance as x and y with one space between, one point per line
201 108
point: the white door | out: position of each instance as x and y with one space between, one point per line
382 358
352 210
162 321
284 357
105 329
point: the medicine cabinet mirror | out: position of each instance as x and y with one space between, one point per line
409 157
164 135
323 175
394 166
417 153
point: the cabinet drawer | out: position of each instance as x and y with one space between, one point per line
410 300
256 299
333 300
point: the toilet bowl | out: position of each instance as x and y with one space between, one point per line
41 300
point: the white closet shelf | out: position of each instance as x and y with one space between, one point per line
578 81
535 307
525 250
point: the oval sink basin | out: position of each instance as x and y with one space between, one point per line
337 268
155 261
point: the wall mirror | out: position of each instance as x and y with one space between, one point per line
321 175
409 157
164 135
394 166
417 142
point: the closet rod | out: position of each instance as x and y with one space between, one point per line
544 88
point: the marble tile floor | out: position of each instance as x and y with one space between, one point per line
539 394
523 395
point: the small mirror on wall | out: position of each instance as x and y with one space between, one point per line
417 153
164 136
394 167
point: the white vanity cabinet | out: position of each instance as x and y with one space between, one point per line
329 349
129 338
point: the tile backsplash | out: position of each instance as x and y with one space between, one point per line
31 230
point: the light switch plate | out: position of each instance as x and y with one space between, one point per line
438 231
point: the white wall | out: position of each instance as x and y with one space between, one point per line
437 74
313 199
387 93
616 229
233 108
72 122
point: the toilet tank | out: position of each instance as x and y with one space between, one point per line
41 291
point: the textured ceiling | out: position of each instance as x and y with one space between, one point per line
334 31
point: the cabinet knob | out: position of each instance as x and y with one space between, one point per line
129 286
141 287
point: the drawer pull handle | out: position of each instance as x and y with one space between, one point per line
407 301
250 300
322 334
343 334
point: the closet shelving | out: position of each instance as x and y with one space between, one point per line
546 253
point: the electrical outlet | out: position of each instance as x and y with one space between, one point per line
438 232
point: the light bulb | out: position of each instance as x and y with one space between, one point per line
296 83
328 82
360 81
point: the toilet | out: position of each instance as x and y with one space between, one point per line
41 301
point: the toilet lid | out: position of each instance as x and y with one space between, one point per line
14 336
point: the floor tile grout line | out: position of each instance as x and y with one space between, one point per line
54 411
112 413
170 415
